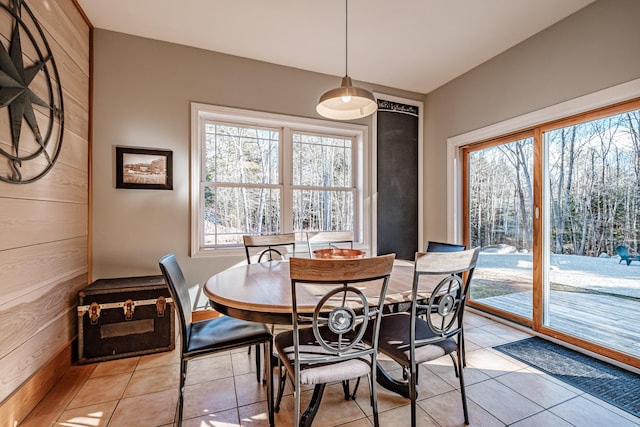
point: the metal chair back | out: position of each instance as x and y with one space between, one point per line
353 293
445 306
269 245
444 247
328 239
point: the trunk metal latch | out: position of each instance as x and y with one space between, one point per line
128 307
161 306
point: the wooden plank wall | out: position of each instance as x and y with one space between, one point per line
44 225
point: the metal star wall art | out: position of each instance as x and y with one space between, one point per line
31 92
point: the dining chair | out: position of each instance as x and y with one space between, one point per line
411 340
326 343
328 239
433 246
212 335
263 247
268 246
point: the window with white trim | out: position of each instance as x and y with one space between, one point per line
260 173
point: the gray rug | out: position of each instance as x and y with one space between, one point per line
610 383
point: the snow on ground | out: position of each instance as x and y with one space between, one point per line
600 274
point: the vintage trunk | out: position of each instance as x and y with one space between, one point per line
124 317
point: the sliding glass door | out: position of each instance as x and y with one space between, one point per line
556 211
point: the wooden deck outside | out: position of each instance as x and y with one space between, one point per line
609 321
603 309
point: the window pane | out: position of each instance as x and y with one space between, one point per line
322 161
500 221
231 212
594 208
246 155
322 211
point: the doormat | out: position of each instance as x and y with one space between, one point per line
610 383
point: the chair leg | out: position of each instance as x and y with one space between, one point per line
462 389
355 389
282 381
347 391
455 364
413 394
268 360
183 377
373 393
257 362
464 352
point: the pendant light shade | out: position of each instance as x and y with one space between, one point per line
346 102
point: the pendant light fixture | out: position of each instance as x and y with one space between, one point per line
346 102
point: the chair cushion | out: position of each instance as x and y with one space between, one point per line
223 333
322 372
394 339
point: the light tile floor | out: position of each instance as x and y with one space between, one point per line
222 391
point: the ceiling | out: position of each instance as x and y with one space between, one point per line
416 45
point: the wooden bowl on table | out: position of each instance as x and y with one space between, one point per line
336 253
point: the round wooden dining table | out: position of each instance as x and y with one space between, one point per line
262 292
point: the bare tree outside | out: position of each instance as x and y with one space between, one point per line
595 188
244 193
593 183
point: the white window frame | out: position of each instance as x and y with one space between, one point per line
200 113
602 98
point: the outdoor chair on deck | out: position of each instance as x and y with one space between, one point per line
212 335
326 343
624 254
411 340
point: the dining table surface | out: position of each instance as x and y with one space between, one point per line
261 292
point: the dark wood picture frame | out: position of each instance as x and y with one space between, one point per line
142 168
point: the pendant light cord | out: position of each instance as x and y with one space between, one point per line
346 37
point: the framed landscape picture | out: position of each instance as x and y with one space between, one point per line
144 169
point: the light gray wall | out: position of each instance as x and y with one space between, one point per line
142 91
142 94
595 48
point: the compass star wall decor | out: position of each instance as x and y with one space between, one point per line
31 110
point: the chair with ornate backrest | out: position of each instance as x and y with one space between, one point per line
328 239
263 248
268 246
212 335
326 343
433 246
411 340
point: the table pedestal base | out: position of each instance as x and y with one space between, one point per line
310 413
391 384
